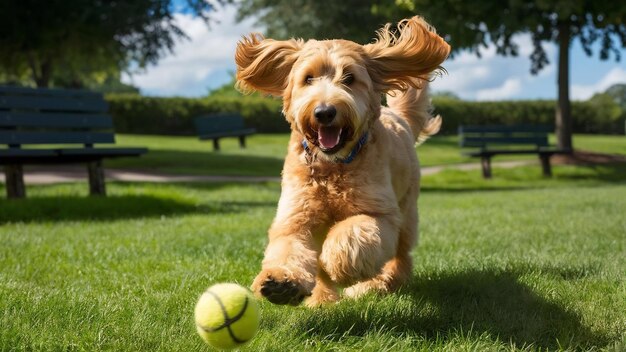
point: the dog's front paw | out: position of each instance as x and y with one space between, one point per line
280 287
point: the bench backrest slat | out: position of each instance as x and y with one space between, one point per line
218 123
51 92
482 136
505 128
30 137
484 141
52 104
58 120
53 116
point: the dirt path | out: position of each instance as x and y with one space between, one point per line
61 174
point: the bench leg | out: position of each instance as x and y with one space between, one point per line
486 165
97 186
14 179
216 144
545 165
242 141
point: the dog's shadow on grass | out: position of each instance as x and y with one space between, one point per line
118 207
126 201
442 307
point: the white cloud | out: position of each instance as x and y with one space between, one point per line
462 78
204 61
584 92
208 53
507 90
494 77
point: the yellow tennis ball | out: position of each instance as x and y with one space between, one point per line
227 316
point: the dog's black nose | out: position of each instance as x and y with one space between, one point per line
325 114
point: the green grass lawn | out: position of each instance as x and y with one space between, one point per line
263 157
265 153
520 263
601 143
188 155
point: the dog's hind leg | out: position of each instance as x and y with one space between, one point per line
394 274
398 270
356 248
323 292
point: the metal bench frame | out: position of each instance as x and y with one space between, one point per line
220 125
534 138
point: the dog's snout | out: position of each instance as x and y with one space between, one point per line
325 114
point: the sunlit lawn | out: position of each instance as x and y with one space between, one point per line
601 143
518 262
188 155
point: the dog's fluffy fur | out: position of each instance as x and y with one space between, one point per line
345 224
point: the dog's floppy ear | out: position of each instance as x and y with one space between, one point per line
264 64
412 50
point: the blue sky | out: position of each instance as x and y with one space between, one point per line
206 62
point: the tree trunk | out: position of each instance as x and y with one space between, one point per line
44 78
563 109
41 71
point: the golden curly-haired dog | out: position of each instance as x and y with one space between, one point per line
347 215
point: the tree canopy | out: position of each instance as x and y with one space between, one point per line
466 25
283 19
617 92
472 25
73 41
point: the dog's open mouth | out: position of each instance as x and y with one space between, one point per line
331 138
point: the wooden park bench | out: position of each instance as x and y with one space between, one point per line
52 122
216 126
513 139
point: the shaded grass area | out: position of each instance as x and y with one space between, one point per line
520 263
494 308
70 202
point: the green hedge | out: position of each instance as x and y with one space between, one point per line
589 116
174 116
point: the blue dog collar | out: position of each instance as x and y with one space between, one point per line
350 156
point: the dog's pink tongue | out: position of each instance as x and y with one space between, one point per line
328 136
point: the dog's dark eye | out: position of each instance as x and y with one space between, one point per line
308 80
347 79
